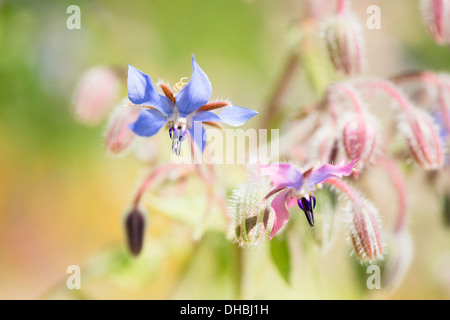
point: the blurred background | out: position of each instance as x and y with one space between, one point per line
62 199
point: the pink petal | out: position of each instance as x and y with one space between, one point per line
281 213
283 175
330 171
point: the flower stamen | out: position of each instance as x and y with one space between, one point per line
180 84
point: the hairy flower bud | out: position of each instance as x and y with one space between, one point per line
95 95
364 228
119 137
345 43
252 214
134 229
436 15
359 138
423 139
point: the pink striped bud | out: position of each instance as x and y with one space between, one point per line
345 43
118 136
95 95
423 139
359 138
436 15
364 227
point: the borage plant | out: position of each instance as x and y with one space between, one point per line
357 126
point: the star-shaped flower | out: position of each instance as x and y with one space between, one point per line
182 110
296 187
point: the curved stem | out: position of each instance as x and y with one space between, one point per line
350 93
159 171
344 187
391 90
399 184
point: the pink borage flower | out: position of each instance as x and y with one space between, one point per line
295 186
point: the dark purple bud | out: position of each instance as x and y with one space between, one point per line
134 226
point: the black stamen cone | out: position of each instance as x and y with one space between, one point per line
308 210
134 226
310 217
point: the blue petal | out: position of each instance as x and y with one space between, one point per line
196 93
206 116
141 91
235 116
148 123
198 135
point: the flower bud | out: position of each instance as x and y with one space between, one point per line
436 15
359 137
252 214
364 228
119 137
134 228
423 139
345 43
95 95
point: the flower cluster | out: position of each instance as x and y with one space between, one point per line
343 124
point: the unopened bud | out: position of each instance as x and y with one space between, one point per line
423 139
345 43
436 15
95 95
364 227
119 137
252 215
359 138
134 228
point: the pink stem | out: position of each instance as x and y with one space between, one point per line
344 187
159 171
402 100
433 79
351 94
406 106
399 184
438 7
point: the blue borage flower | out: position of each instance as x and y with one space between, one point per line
180 111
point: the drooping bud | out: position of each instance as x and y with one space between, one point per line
134 228
252 214
95 95
359 138
423 139
436 16
119 137
364 229
345 43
